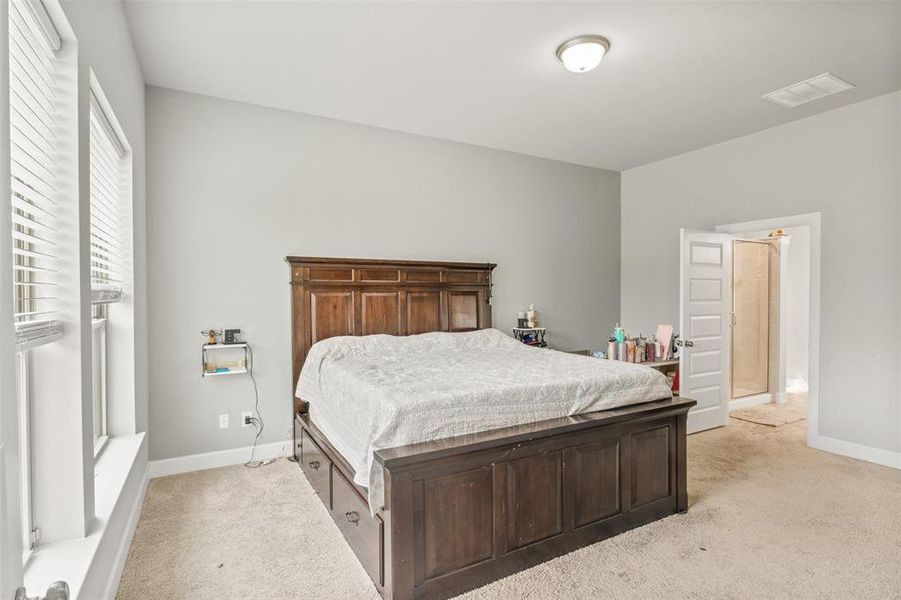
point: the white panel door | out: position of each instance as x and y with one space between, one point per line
704 328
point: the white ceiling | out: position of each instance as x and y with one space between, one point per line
679 76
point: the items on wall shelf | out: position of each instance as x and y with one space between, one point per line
229 357
527 319
527 330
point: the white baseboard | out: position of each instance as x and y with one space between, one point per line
747 401
212 460
118 566
886 458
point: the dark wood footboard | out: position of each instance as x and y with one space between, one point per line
464 511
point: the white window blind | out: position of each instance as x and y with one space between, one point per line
107 155
34 151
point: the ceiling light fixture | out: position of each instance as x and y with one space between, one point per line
582 54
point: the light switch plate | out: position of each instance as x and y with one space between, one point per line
223 421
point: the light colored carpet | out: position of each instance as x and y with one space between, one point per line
768 518
775 415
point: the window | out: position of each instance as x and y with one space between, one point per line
34 113
33 150
107 180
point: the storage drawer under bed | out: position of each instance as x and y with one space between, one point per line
361 530
316 466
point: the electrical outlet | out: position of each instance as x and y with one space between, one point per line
246 419
223 421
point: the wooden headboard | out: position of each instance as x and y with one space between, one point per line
348 296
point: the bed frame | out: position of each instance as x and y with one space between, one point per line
463 511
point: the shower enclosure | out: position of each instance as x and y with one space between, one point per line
751 317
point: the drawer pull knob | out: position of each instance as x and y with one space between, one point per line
352 517
314 464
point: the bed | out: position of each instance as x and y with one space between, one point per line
450 455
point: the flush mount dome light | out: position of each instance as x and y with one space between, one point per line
582 54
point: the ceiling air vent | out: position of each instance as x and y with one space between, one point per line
808 90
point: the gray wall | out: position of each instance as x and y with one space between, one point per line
843 164
798 326
234 188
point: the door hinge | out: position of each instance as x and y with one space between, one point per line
34 537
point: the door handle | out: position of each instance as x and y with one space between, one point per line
352 516
314 464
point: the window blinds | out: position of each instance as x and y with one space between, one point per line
106 214
34 150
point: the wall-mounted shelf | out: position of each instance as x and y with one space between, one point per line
531 336
229 372
212 365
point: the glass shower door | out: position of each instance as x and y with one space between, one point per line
750 305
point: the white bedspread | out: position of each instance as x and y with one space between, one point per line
381 391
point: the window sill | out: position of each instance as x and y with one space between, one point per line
99 446
72 560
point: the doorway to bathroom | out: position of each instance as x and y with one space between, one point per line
770 316
769 378
749 323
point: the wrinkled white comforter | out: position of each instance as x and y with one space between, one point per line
381 391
